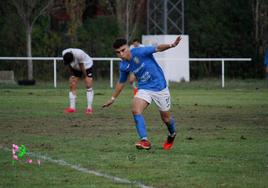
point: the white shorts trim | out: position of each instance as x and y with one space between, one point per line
160 98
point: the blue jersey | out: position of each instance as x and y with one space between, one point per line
146 70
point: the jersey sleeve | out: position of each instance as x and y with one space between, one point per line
123 74
148 50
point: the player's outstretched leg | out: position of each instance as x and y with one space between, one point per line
143 144
169 142
171 136
90 95
71 108
141 130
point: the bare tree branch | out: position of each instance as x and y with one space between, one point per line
30 11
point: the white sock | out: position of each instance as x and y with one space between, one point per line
90 94
72 99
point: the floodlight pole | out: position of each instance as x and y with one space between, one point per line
165 17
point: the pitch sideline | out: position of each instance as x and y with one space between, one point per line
84 170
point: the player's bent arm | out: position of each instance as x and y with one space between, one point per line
118 88
163 47
83 69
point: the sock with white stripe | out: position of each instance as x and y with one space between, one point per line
90 94
72 99
140 126
171 126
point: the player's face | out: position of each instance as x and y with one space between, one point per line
123 52
136 44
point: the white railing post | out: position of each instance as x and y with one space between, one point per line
222 73
55 73
117 59
111 73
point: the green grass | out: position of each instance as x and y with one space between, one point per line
222 137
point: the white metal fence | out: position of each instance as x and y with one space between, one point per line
111 60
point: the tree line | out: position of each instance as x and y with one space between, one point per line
233 28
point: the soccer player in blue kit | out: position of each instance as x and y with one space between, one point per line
152 85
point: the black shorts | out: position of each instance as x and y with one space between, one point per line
79 74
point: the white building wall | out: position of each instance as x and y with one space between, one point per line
176 65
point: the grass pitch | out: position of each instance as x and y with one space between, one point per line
222 138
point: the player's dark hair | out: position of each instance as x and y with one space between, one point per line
68 58
119 42
135 40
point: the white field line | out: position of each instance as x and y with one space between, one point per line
84 170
